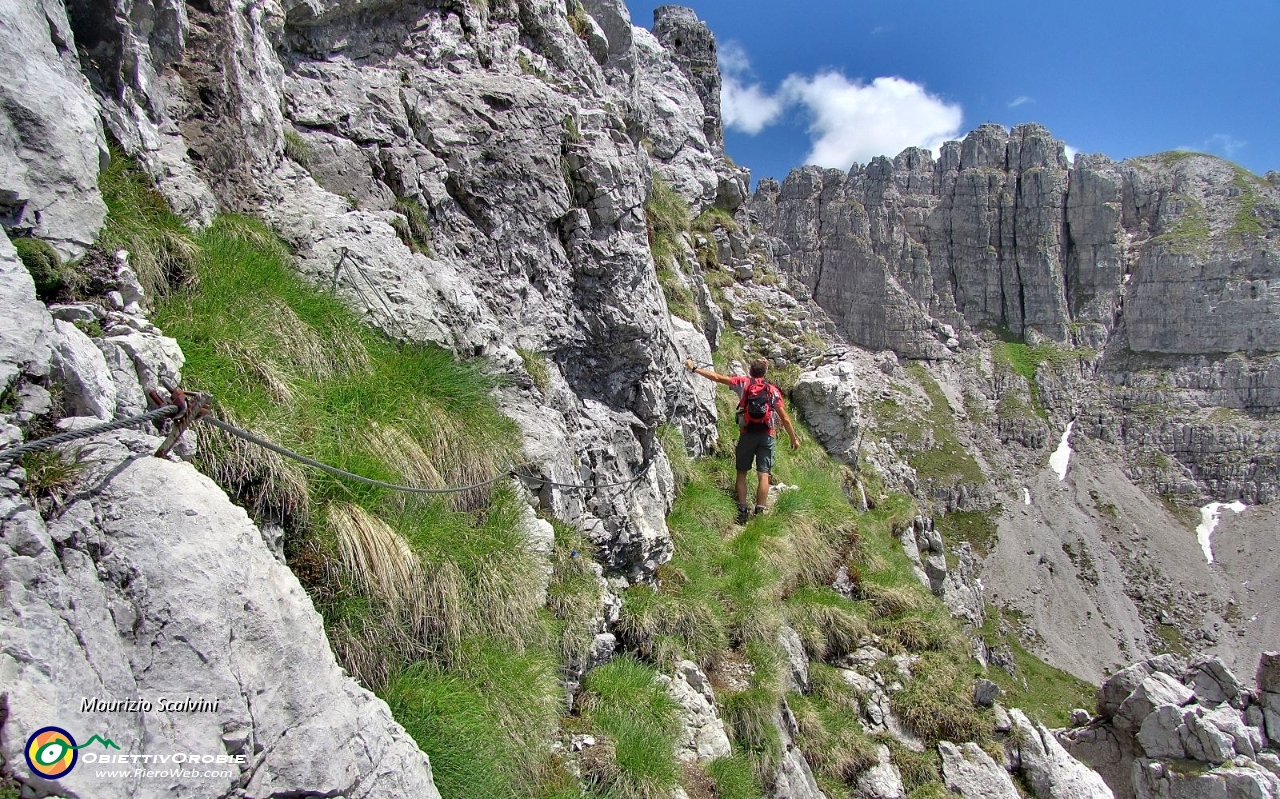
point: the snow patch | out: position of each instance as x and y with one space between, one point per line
1209 516
1061 456
1026 496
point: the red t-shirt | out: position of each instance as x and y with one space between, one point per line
740 384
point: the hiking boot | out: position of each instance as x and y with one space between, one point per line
742 514
759 509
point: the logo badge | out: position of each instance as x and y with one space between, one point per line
51 752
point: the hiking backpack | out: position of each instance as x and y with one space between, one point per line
755 408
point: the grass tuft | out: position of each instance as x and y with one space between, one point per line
45 266
297 149
624 702
51 475
162 250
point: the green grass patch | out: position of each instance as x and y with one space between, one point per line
713 218
1246 225
667 218
433 603
413 226
1171 641
481 746
978 527
733 778
946 461
162 250
1047 694
937 702
45 266
535 363
1188 232
297 149
623 703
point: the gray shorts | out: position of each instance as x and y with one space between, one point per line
757 447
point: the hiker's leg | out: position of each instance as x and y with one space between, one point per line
764 465
744 454
762 490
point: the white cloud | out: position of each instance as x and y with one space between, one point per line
733 58
1219 143
746 107
1021 100
1071 152
855 122
1224 143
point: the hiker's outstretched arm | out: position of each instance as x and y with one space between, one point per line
707 373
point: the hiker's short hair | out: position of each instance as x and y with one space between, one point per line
758 367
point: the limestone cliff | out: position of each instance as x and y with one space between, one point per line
482 175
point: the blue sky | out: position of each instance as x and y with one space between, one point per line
841 81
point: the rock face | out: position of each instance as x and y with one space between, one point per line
157 588
526 148
1001 230
1163 267
1172 714
1047 767
972 773
703 738
693 48
51 140
149 585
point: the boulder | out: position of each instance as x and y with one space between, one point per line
1158 689
26 331
1048 768
985 693
881 781
703 736
1153 779
51 139
797 659
970 772
87 385
160 589
1118 686
1213 682
1163 731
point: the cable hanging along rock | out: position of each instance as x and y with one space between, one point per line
185 408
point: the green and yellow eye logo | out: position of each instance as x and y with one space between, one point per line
52 752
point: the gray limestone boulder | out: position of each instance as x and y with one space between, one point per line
971 773
797 659
155 587
881 781
1153 779
1213 682
985 693
26 331
703 737
1154 691
78 365
1118 686
1269 693
1050 770
793 779
1163 732
51 140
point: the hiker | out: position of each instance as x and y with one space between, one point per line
759 409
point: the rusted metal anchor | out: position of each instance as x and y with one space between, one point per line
192 406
